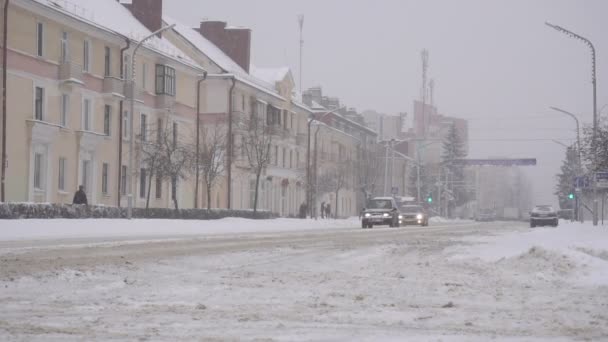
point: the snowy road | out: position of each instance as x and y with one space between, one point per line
444 282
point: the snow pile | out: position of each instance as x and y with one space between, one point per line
440 219
573 251
32 229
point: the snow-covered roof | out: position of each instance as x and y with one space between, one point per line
270 75
113 16
215 54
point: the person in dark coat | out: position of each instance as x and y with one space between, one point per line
328 210
303 209
80 197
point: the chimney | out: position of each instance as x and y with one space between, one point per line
234 41
307 98
148 12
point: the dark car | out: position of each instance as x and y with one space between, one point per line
380 211
413 214
543 215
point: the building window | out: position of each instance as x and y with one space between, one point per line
144 74
142 183
276 155
64 47
143 128
38 104
173 188
165 80
243 102
65 109
125 125
86 115
107 115
125 68
284 157
290 159
61 180
297 159
39 39
159 130
86 55
159 187
174 134
104 178
123 180
106 61
38 169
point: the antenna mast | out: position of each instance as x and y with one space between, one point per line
301 23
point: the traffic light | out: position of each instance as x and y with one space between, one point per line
571 196
429 199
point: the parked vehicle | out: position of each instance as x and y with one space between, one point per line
380 211
486 215
543 215
413 214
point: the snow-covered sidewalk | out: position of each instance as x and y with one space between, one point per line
35 229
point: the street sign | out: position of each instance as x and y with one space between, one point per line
581 182
601 179
497 162
394 190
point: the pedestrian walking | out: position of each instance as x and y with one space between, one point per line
322 210
328 211
303 209
80 197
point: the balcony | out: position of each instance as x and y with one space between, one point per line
165 101
89 141
133 92
70 74
114 86
43 132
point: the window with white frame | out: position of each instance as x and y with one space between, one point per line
144 75
65 110
106 61
86 55
125 68
39 103
284 157
87 120
64 47
174 134
290 159
61 173
104 178
39 171
125 124
143 127
165 80
40 39
123 180
159 187
142 183
107 117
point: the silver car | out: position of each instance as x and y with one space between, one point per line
543 215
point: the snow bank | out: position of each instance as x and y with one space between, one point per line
439 219
33 229
573 250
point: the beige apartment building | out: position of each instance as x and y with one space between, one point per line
68 121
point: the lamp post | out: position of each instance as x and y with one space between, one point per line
577 172
594 82
198 128
308 170
578 132
132 109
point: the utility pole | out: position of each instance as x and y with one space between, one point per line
386 168
301 23
594 83
131 115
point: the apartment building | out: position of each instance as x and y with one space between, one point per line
68 117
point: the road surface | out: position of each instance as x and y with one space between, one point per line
334 284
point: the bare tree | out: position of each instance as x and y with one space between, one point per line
367 169
256 142
173 157
211 155
150 151
335 179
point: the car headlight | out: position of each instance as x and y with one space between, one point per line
386 215
400 217
419 216
368 214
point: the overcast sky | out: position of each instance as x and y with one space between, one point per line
493 62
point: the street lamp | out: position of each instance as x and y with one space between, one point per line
308 173
132 109
594 82
198 128
578 135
